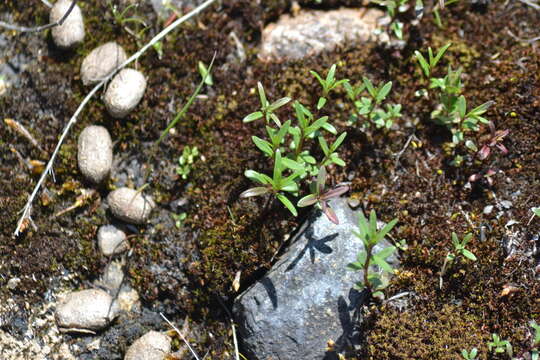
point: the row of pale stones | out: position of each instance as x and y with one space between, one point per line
93 309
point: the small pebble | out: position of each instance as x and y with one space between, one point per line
151 346
111 240
101 62
13 283
112 278
85 311
128 205
71 32
353 202
488 209
95 153
124 92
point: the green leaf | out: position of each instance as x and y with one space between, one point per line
307 200
362 226
330 128
336 160
262 95
439 55
461 106
423 63
291 164
287 203
468 254
338 142
258 177
321 103
355 266
370 88
386 229
263 145
278 103
207 77
277 167
386 252
253 116
382 264
455 239
256 191
330 76
466 239
372 227
315 126
324 146
383 92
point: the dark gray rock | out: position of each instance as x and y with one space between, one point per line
307 299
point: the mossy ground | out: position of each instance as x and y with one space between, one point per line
224 235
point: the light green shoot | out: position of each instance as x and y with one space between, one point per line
370 237
499 346
328 84
459 250
469 355
267 108
205 74
429 64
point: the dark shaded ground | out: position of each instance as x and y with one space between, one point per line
189 271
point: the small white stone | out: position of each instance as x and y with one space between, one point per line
95 153
129 205
124 92
151 346
111 240
13 283
488 209
101 62
71 32
85 311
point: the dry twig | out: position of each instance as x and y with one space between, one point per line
40 28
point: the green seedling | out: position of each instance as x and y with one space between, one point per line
393 8
427 65
320 196
328 84
469 355
179 219
186 161
499 346
267 109
370 106
370 237
459 250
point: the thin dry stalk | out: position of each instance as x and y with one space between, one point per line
181 336
27 208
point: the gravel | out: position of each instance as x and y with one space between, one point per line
151 346
111 240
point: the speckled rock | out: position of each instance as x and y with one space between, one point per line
124 92
130 206
95 153
314 31
101 62
151 346
111 240
85 311
71 32
307 298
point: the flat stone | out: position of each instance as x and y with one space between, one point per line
85 311
307 299
129 205
71 32
102 61
95 153
151 346
313 31
124 92
112 240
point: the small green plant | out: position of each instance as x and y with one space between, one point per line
179 219
459 250
451 111
289 145
328 84
499 346
369 106
320 196
393 8
122 19
535 353
370 237
439 7
469 355
186 161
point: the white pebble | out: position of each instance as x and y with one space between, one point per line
111 240
101 62
71 32
124 92
85 311
129 205
151 346
95 153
